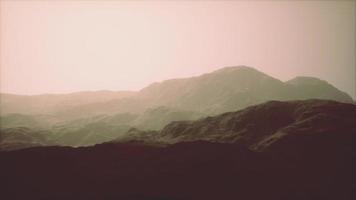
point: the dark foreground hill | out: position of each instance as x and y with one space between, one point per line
196 170
314 158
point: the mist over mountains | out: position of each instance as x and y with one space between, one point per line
213 93
88 118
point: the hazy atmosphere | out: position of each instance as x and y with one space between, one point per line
183 100
68 46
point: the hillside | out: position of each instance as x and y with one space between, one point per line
265 125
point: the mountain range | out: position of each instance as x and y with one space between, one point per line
88 118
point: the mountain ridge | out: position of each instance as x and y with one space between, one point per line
223 69
260 126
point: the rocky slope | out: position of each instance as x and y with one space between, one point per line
264 125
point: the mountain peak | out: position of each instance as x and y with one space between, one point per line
302 80
235 68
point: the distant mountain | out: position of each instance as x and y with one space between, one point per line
19 120
276 150
234 88
52 103
224 90
22 137
310 87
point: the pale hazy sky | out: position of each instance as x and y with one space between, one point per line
65 46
